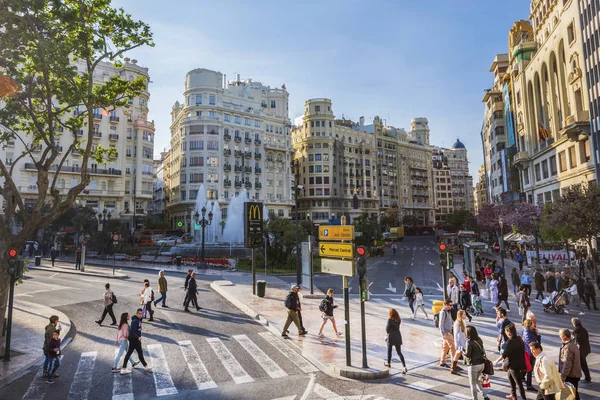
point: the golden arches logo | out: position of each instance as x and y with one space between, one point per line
254 212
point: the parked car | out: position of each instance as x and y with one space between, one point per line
169 241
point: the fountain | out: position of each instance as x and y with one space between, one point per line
234 225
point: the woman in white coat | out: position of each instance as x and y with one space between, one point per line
460 339
546 373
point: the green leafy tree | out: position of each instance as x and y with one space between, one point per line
368 226
40 41
283 244
461 219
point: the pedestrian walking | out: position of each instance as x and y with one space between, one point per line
550 282
475 293
53 255
514 362
502 292
148 298
135 343
582 339
574 300
546 374
589 292
569 363
326 307
48 331
162 289
78 258
192 290
523 302
519 259
292 305
502 322
526 281
419 303
539 280
474 354
530 335
452 291
494 289
123 342
487 272
409 292
394 338
464 301
185 288
516 280
53 356
460 340
109 298
445 326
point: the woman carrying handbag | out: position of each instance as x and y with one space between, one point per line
474 354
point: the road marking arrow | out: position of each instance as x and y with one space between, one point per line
390 288
430 263
439 288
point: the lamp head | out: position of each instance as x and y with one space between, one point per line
300 187
196 216
210 215
203 211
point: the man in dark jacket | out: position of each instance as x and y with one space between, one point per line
185 286
192 290
580 334
292 304
550 282
569 362
523 302
590 293
539 280
503 292
135 342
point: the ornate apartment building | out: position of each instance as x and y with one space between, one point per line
349 168
479 191
551 101
228 136
498 138
452 183
125 182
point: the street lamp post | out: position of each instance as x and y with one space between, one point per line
203 223
536 223
502 241
103 218
298 261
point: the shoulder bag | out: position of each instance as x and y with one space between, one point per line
488 365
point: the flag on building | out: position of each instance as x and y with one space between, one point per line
542 133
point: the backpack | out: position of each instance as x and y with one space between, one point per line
288 301
453 313
113 298
152 296
324 306
436 319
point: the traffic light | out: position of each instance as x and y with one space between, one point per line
12 261
364 289
450 260
443 255
361 262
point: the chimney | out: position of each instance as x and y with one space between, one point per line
237 78
362 121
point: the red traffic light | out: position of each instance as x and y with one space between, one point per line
443 247
12 253
360 251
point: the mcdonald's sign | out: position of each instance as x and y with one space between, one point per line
253 224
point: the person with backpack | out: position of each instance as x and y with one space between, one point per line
409 292
519 259
148 298
326 307
474 354
444 323
394 338
523 302
419 304
292 305
109 301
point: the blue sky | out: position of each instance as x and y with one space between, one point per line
396 59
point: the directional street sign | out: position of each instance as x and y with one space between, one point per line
337 267
342 250
336 232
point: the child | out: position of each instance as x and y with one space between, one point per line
419 304
54 356
327 308
477 306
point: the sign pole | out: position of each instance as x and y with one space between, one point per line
83 251
347 320
9 318
363 329
253 274
310 260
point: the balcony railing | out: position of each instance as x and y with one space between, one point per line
114 119
248 154
238 184
258 185
227 183
238 168
248 170
257 170
97 134
248 185
227 167
247 140
97 115
257 156
65 168
227 137
237 139
257 142
113 136
238 153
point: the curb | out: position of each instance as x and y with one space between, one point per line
361 373
62 271
216 286
67 330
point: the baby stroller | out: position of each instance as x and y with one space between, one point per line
555 302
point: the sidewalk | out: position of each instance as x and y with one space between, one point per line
69 268
29 321
328 353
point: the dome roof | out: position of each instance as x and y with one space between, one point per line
458 145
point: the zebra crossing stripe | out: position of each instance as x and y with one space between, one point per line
37 388
122 385
290 354
80 387
422 386
237 372
457 396
325 393
260 357
160 370
196 366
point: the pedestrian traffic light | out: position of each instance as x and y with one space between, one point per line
364 289
12 261
443 255
450 260
361 261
